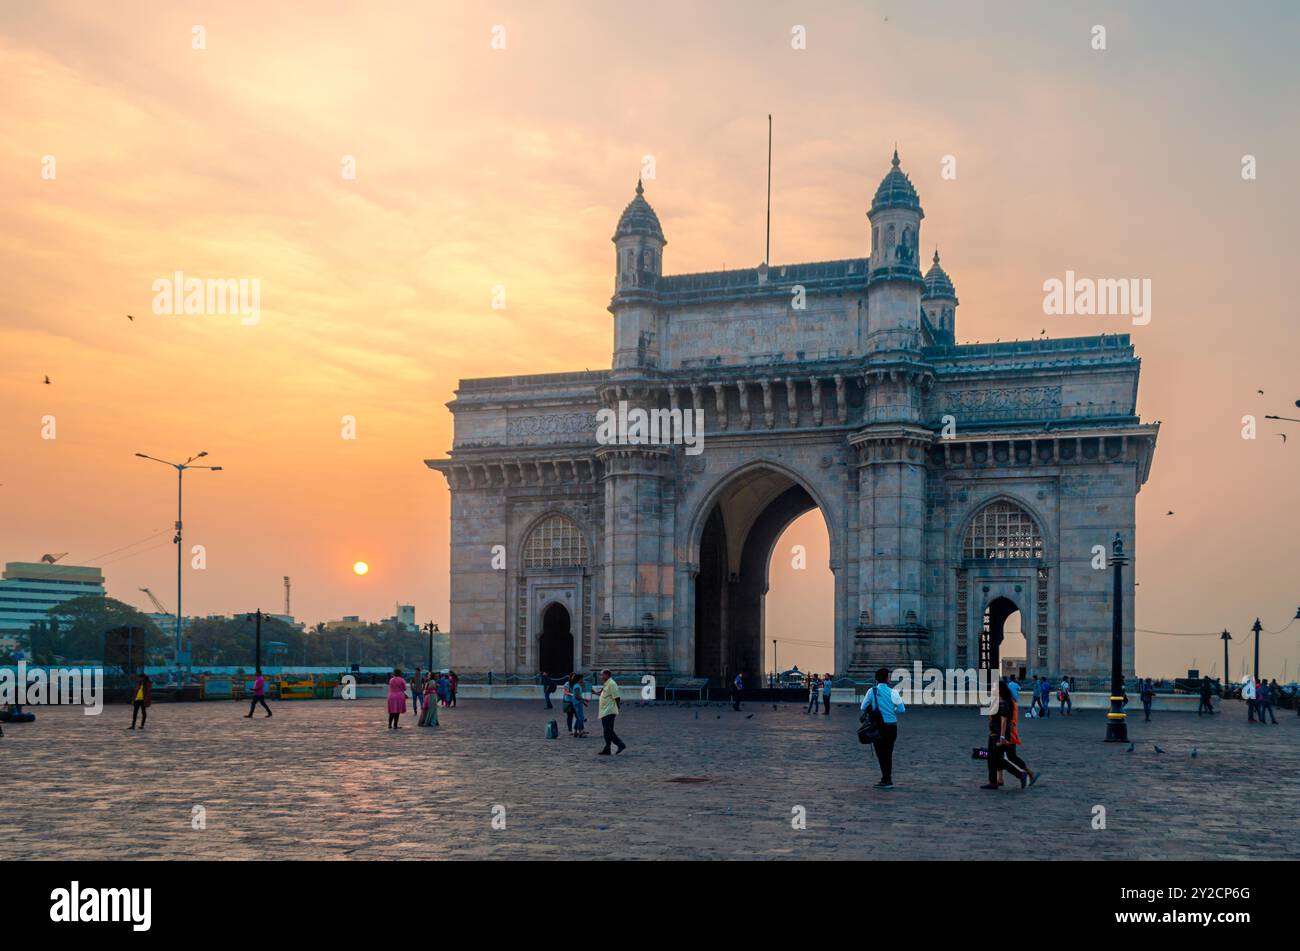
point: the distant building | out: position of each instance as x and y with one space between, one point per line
404 618
28 591
348 624
252 616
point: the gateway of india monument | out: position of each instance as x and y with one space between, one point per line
959 483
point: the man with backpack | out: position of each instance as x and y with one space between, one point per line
880 709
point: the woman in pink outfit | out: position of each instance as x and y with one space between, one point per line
396 699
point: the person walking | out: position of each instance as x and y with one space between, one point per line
1264 700
141 700
579 709
827 685
259 696
548 688
814 693
453 683
566 702
1004 740
444 689
1045 698
1248 694
882 705
1067 705
1036 698
737 686
1207 692
417 692
396 698
1148 694
608 710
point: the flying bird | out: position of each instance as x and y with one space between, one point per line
1283 435
1170 512
1260 392
47 380
129 317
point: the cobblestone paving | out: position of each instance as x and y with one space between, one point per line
325 779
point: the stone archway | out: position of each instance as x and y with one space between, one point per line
555 643
741 522
995 618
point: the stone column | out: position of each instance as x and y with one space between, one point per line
638 561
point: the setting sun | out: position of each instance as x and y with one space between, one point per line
361 567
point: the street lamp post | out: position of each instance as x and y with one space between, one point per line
1257 627
180 468
1116 722
1227 674
432 629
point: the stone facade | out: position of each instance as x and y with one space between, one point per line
958 483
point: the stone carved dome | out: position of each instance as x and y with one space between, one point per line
639 218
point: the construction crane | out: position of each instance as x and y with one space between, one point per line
156 602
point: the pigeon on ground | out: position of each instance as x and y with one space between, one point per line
1131 747
749 716
1193 752
1158 749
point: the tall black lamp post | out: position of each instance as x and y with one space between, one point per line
1227 675
1257 627
432 629
1116 721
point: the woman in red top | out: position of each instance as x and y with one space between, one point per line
1004 740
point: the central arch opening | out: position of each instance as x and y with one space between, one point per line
555 648
736 550
999 638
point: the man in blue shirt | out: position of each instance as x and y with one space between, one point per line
884 702
737 685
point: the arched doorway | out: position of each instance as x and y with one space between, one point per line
555 647
742 525
994 632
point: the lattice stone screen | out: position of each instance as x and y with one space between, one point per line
1002 530
555 542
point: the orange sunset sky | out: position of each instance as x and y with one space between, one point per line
478 167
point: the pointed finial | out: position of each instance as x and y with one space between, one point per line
894 162
936 254
639 189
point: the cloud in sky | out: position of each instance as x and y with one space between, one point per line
478 168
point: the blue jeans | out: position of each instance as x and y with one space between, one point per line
416 699
579 716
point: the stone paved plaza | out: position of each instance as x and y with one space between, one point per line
325 779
